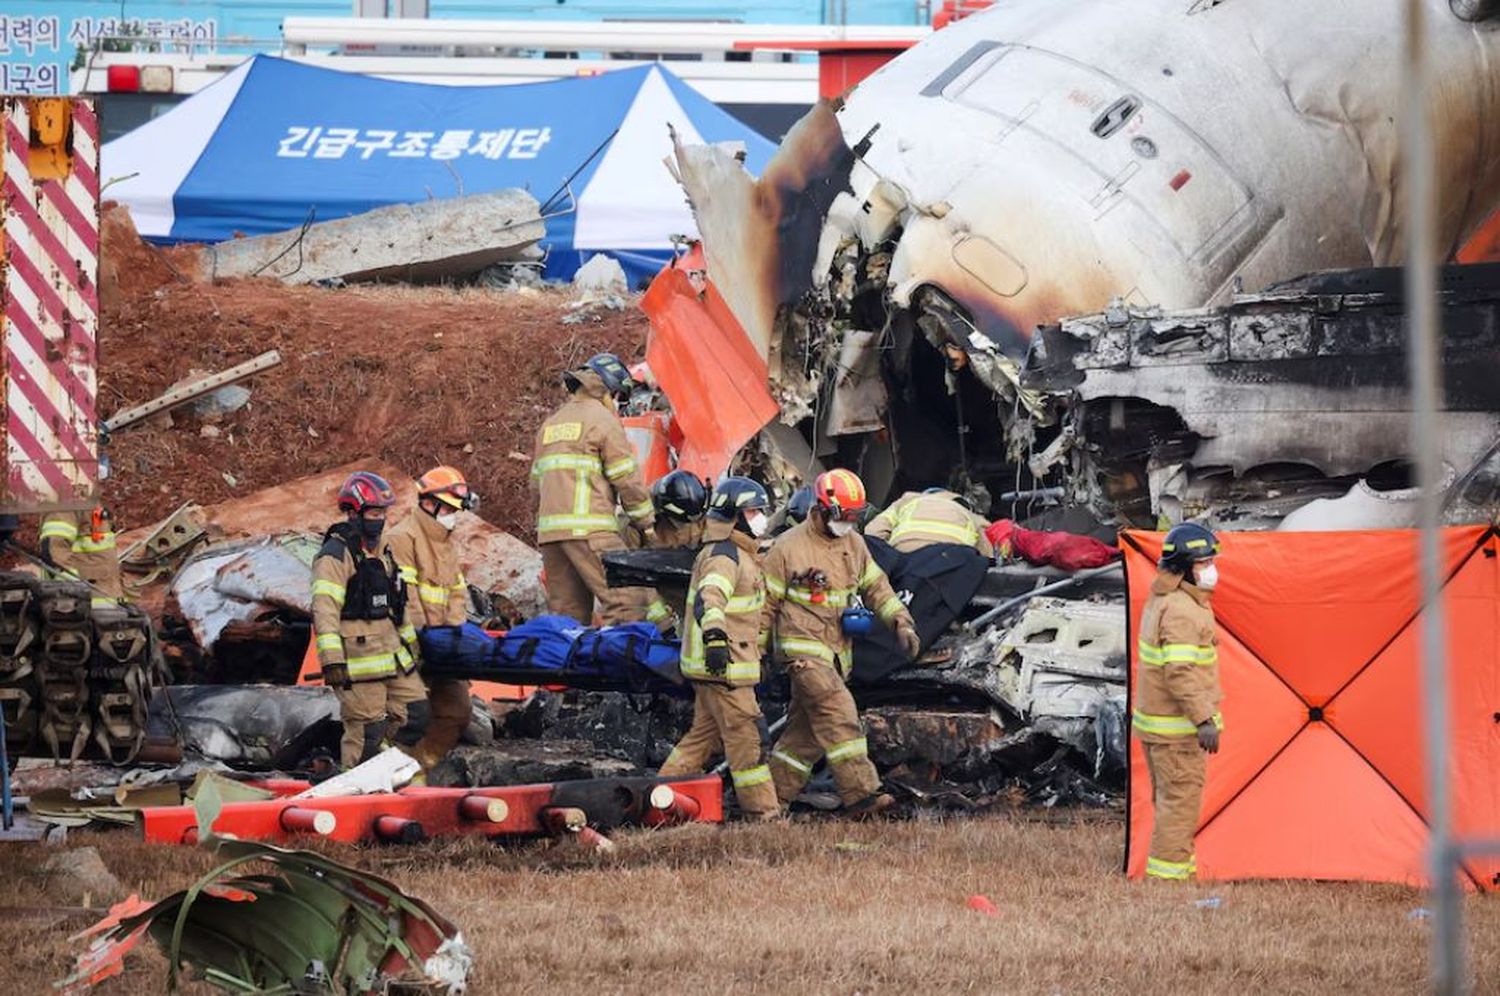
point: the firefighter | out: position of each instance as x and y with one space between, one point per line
721 648
680 500
795 511
584 464
1177 694
363 622
813 573
925 518
427 559
81 546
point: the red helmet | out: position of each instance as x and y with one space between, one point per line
840 494
365 490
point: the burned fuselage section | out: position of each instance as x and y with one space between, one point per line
1044 160
1243 414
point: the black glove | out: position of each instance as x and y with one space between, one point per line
1208 736
337 676
716 652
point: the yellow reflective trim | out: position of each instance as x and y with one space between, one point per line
58 530
641 512
1174 870
967 535
870 574
620 468
330 641
791 762
890 608
742 604
407 574
797 646
433 594
371 664
693 666
569 461
332 589
710 617
408 634
85 543
1148 653
837 598
103 602
1197 544
581 525
758 775
718 582
657 611
848 750
776 586
1177 653
1169 726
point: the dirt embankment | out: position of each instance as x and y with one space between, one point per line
413 376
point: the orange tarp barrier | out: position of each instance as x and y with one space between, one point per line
706 366
1320 774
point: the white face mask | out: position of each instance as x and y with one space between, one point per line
1208 577
755 521
447 520
841 528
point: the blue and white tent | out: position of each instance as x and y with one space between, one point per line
275 141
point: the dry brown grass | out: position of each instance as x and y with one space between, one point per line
835 908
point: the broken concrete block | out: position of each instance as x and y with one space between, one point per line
79 877
230 398
433 240
601 276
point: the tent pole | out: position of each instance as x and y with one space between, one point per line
1426 396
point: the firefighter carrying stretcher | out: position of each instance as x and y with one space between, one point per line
813 573
583 464
721 648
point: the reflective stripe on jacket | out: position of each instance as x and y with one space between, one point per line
727 592
428 561
583 463
1177 676
70 543
373 649
811 578
918 520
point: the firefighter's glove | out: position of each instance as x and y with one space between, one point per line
716 652
337 676
1208 736
911 643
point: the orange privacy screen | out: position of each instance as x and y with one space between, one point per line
708 369
1320 773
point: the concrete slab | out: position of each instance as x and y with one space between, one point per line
414 243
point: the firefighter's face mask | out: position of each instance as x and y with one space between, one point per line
372 524
1206 575
839 527
755 521
447 519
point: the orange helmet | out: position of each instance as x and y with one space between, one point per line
840 494
448 486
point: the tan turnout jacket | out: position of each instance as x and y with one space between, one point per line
428 561
583 463
811 578
1177 681
79 552
728 592
373 649
917 520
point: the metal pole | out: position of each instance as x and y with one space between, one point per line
1426 397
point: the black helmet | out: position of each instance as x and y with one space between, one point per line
799 504
1185 545
610 369
680 495
735 495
